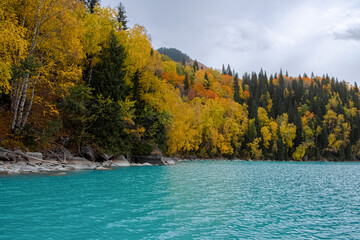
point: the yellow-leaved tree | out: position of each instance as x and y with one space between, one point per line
287 131
13 46
53 30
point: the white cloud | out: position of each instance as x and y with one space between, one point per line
300 36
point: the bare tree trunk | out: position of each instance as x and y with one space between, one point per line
30 104
15 94
88 70
35 33
18 98
21 98
22 102
90 74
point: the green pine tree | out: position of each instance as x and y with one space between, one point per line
223 71
110 90
228 70
207 83
121 17
196 65
186 84
109 74
90 4
236 89
147 117
281 148
299 129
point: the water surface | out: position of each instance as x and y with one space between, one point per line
192 200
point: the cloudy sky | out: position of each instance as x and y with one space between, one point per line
320 36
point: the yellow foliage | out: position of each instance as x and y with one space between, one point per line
169 66
334 102
274 134
256 152
350 112
13 46
183 132
263 117
200 76
218 125
270 102
300 151
266 135
138 49
97 28
339 130
287 131
274 127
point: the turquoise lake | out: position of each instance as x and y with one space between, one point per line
192 200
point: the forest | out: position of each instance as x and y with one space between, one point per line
73 73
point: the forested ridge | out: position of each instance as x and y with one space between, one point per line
175 55
72 72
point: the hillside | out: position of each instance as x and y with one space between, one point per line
114 92
175 54
180 57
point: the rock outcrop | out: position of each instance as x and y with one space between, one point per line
153 159
168 161
120 161
17 162
88 153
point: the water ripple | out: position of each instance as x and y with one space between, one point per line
193 200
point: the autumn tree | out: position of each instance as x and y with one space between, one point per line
150 125
54 32
77 65
13 46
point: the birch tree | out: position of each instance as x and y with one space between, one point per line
52 30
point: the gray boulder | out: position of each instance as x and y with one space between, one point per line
108 164
27 169
10 157
80 163
152 159
68 154
120 161
5 157
13 170
168 161
88 153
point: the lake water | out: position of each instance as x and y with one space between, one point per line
192 200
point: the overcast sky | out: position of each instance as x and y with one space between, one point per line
320 36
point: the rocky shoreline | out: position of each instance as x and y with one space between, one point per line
62 160
18 162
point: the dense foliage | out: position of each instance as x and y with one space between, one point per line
72 72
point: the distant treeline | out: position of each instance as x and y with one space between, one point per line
175 54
